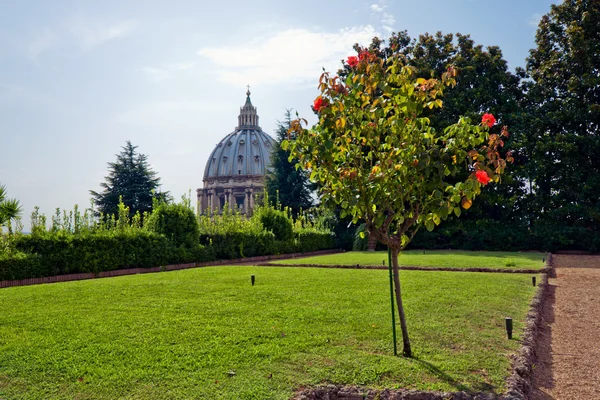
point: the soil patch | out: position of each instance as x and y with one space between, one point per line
568 350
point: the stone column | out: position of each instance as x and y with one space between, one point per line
211 201
251 201
246 201
230 199
199 201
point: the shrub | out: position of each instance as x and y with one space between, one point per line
278 222
177 222
313 241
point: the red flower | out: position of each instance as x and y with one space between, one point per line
482 177
488 119
364 55
319 103
352 61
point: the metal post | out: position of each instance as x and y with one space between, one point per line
392 300
509 327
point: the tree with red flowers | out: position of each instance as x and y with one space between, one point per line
375 155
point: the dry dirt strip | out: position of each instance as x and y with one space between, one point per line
568 353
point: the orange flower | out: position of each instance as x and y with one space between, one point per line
352 61
488 119
319 103
482 177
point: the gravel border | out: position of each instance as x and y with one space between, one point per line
518 384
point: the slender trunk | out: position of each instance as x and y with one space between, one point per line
405 340
372 243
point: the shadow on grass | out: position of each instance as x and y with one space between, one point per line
443 376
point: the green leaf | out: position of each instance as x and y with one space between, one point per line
429 225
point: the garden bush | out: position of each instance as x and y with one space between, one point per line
276 221
177 222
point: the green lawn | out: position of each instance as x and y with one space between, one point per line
431 258
179 334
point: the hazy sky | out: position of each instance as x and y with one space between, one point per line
80 78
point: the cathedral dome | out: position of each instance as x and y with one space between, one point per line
244 152
236 169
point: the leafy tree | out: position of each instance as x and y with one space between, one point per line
565 142
483 84
9 209
376 155
131 179
286 184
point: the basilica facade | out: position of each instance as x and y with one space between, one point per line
235 171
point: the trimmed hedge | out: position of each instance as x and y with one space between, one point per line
61 253
49 254
22 266
239 244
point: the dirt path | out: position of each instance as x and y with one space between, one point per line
568 365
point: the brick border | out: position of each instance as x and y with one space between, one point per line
518 384
171 267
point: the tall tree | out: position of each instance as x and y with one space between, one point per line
375 154
131 179
565 142
284 181
9 209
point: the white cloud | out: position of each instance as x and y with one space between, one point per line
291 56
90 34
41 44
387 20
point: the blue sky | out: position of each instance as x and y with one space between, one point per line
80 78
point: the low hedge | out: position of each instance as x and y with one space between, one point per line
241 244
49 254
60 253
21 265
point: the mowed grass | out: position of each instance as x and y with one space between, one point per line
208 334
431 258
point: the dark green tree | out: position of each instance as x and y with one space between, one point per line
131 179
286 184
564 144
9 209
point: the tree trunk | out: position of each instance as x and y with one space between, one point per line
405 340
372 243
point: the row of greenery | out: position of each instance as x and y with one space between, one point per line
78 242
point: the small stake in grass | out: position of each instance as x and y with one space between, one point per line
533 280
252 279
509 327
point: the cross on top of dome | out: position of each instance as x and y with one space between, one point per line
248 116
